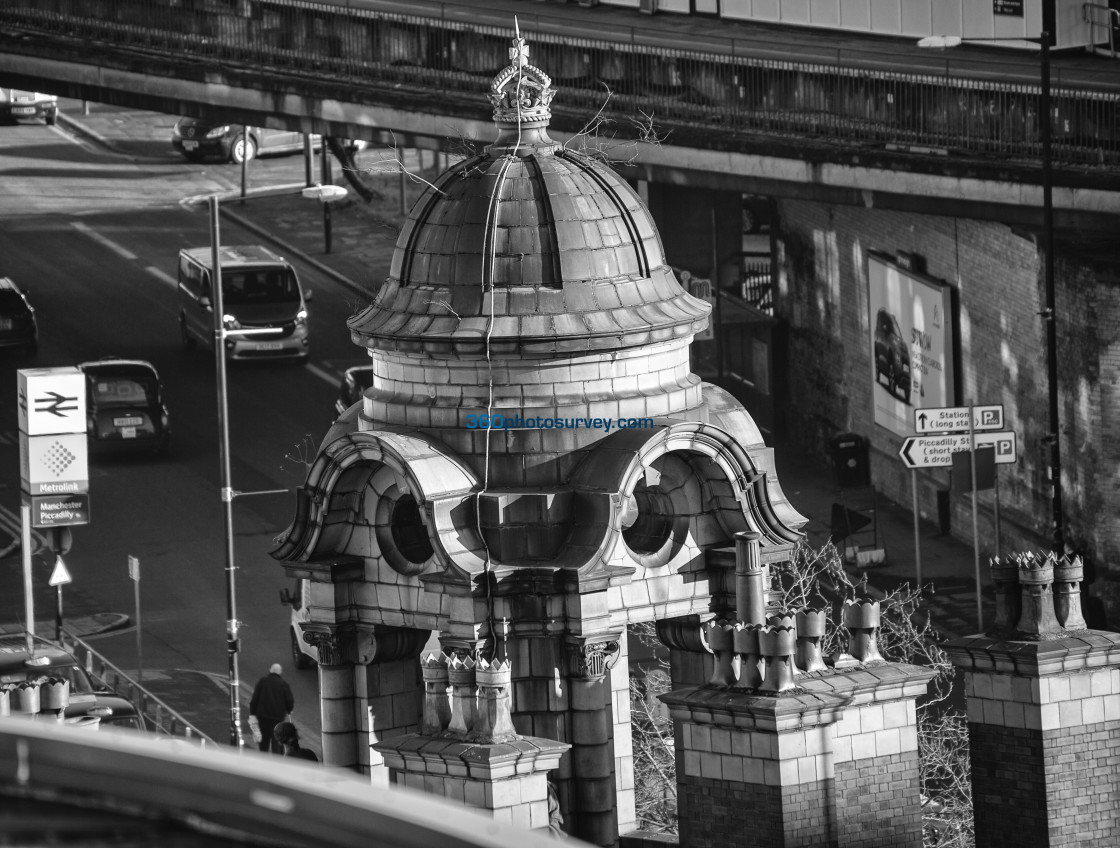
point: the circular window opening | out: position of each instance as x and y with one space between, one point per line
654 523
410 536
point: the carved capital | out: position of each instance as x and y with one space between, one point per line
354 644
592 656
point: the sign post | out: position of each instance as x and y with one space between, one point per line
134 573
54 468
983 427
59 578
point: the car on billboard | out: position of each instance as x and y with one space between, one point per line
892 355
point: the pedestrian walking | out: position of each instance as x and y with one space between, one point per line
287 737
272 703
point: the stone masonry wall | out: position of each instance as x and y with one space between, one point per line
822 294
869 786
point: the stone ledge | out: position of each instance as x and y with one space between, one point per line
752 711
443 755
1089 650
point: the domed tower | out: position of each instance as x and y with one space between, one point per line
535 466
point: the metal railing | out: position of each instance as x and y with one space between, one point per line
1097 15
158 715
710 98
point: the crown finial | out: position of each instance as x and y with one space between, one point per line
520 92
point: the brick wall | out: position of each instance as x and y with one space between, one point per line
869 786
1008 779
822 294
721 812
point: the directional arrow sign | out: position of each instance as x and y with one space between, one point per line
933 451
954 419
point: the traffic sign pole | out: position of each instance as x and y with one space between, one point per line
975 526
134 573
28 595
917 535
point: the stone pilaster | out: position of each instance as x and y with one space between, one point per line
592 791
378 665
875 753
1044 737
831 761
754 764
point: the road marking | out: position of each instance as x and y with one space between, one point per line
162 276
100 239
326 376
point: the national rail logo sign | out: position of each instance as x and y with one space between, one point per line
52 401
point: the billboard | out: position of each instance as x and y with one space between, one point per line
912 343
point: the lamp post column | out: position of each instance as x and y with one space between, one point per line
1053 438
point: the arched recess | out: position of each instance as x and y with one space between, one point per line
418 489
644 492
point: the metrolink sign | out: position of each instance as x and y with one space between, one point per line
53 458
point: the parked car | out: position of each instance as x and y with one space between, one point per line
892 355
16 104
124 406
198 139
18 327
47 660
355 381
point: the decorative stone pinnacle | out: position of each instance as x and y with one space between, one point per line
520 92
1037 619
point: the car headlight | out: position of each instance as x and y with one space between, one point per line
218 132
230 322
301 317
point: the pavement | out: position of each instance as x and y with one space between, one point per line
363 235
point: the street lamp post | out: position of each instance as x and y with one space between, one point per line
232 641
1052 440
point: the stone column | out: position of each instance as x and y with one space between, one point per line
1044 731
369 679
592 791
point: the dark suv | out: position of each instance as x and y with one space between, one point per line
49 661
18 327
124 406
892 355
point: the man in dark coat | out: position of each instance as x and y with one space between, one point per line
271 703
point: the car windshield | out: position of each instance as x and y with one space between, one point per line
264 286
122 391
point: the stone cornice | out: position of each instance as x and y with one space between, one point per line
1088 650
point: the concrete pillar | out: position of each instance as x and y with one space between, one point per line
621 739
592 791
1044 730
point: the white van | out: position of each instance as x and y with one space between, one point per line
303 655
265 306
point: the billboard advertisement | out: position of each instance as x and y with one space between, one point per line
912 343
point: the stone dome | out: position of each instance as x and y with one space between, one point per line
527 248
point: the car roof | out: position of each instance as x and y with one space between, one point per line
111 365
245 254
7 284
14 655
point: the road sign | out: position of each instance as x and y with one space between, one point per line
54 465
934 451
60 575
51 401
954 419
58 510
134 568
